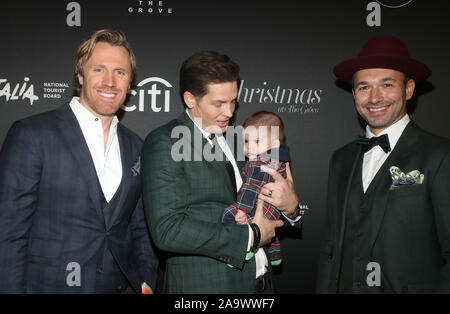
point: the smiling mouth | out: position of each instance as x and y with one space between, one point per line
378 109
107 95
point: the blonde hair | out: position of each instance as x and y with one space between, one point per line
110 36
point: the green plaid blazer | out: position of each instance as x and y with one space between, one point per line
183 203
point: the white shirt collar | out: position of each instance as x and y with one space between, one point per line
206 134
394 131
83 115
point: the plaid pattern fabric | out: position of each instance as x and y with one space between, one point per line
184 201
51 212
254 180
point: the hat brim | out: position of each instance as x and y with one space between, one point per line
415 69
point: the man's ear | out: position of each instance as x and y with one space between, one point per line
80 79
409 90
189 100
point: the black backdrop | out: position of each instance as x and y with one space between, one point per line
281 45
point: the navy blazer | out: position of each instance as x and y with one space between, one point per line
51 212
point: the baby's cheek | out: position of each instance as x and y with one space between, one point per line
264 147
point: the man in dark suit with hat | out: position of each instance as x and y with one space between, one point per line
387 227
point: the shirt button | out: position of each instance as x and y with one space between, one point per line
96 119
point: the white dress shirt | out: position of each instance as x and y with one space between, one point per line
375 157
108 164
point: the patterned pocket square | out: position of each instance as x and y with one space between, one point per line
136 169
400 179
146 289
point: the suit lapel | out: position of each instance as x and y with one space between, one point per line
354 160
380 185
73 136
125 156
197 147
196 139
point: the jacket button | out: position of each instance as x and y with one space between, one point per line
358 283
99 270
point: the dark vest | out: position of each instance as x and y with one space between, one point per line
110 278
356 251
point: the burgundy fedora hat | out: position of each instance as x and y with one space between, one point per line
386 52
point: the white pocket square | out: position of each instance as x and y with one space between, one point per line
400 179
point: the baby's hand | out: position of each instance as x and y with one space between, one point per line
241 218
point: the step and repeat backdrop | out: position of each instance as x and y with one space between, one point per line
286 50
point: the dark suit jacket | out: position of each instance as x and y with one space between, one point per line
409 227
51 210
184 201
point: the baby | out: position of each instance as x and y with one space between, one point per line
263 139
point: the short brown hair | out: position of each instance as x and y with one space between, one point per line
268 119
206 67
110 36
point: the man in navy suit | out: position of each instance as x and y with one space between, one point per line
71 216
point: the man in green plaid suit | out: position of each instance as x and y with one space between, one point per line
185 197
